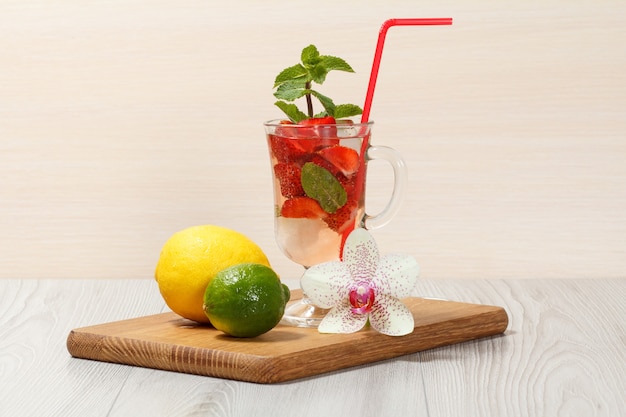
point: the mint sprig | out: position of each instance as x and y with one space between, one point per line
295 82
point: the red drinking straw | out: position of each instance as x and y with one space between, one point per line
372 84
379 52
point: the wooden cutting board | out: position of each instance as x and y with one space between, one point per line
168 342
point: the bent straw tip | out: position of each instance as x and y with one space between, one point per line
416 22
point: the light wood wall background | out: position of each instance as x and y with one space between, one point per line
123 121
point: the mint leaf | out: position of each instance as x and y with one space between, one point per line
310 56
318 73
292 111
335 63
324 65
319 184
327 103
289 74
291 90
347 110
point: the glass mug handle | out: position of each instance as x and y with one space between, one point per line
400 180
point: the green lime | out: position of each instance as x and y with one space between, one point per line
245 300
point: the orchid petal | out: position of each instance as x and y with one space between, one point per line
341 320
391 317
360 254
397 275
326 284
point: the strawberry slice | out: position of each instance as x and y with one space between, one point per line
291 142
320 127
303 207
287 129
285 149
288 176
343 159
328 120
343 218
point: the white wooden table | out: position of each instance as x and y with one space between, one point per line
564 354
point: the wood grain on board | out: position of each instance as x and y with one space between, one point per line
168 342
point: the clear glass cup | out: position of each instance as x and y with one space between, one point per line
319 174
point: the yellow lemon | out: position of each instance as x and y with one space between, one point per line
192 257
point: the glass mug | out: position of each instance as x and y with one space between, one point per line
319 175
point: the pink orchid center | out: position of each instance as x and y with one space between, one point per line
361 299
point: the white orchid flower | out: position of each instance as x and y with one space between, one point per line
363 286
